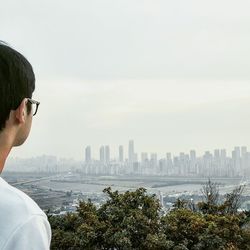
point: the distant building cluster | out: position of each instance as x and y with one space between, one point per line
42 164
219 163
216 164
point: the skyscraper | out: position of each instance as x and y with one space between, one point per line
107 154
144 157
121 154
169 156
216 168
131 152
223 163
237 161
88 154
243 151
169 163
244 161
217 154
207 164
135 157
102 154
223 153
192 155
153 161
193 164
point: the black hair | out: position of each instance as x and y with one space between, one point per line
17 81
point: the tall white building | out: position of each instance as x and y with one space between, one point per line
102 154
153 162
144 157
236 161
88 154
207 164
107 154
131 152
244 161
193 162
144 163
224 165
121 153
243 150
169 163
223 153
216 167
184 166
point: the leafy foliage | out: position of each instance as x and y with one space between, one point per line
129 218
133 220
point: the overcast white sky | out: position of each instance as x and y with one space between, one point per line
172 75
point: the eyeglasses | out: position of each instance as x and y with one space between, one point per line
34 102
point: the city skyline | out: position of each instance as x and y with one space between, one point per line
218 163
127 154
215 163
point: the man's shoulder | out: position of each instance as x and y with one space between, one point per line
16 209
14 200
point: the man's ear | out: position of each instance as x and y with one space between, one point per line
21 111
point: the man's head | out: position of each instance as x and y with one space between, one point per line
17 83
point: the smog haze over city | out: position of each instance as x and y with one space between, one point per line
172 75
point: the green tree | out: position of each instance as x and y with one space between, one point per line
76 230
183 227
133 220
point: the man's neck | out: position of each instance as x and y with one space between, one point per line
5 148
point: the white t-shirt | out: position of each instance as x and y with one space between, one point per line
23 225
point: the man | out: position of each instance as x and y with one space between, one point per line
24 225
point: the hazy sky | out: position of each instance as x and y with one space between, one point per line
172 75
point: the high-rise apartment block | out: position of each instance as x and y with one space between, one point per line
88 154
102 154
131 152
121 154
107 154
